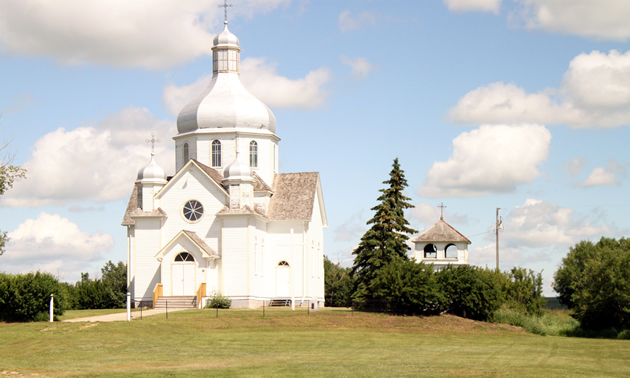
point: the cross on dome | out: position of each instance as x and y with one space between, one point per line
152 141
225 6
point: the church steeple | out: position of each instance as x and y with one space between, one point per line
226 53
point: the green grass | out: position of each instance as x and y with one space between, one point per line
550 323
286 343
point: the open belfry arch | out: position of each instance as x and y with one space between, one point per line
228 220
441 245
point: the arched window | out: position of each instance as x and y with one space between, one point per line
430 251
283 263
253 154
451 251
184 257
186 154
216 153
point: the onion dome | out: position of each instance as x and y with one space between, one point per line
152 173
225 103
237 170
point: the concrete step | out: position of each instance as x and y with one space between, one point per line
177 302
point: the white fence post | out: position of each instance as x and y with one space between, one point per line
128 306
52 307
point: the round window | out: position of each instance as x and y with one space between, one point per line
193 210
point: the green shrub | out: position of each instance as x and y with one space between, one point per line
470 291
218 300
405 287
338 284
24 296
523 290
624 335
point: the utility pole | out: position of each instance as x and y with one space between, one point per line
497 233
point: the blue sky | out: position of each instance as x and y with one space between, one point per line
519 104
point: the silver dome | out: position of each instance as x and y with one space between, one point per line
152 173
225 103
237 170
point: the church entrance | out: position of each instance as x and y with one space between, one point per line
283 280
183 276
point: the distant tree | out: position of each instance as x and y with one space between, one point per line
26 297
108 292
594 281
338 284
8 174
386 240
523 290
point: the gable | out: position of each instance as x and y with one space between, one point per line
188 238
193 165
441 232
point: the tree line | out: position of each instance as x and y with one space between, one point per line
593 280
26 297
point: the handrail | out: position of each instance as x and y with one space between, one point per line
157 293
201 292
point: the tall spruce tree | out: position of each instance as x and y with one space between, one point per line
385 241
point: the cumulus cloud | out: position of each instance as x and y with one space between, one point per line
361 67
92 162
473 5
539 223
490 159
601 19
145 33
258 76
363 20
54 244
595 93
601 176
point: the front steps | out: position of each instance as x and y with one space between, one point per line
280 302
183 301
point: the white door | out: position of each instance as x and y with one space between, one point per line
184 279
283 282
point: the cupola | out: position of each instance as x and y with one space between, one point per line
152 173
225 103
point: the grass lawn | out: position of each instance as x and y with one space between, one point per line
73 314
326 343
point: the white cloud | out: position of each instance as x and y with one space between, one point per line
473 5
490 159
598 19
353 228
91 163
487 256
595 93
574 167
363 20
258 76
361 67
601 176
52 243
146 33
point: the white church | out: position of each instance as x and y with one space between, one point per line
228 221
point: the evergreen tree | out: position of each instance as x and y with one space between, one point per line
385 241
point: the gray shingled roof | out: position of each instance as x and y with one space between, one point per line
131 206
260 185
213 173
202 244
294 196
441 232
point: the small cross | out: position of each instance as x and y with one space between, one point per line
152 141
225 6
441 206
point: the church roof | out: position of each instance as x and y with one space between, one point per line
131 206
441 232
260 185
294 196
213 173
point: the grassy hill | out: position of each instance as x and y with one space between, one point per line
331 342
